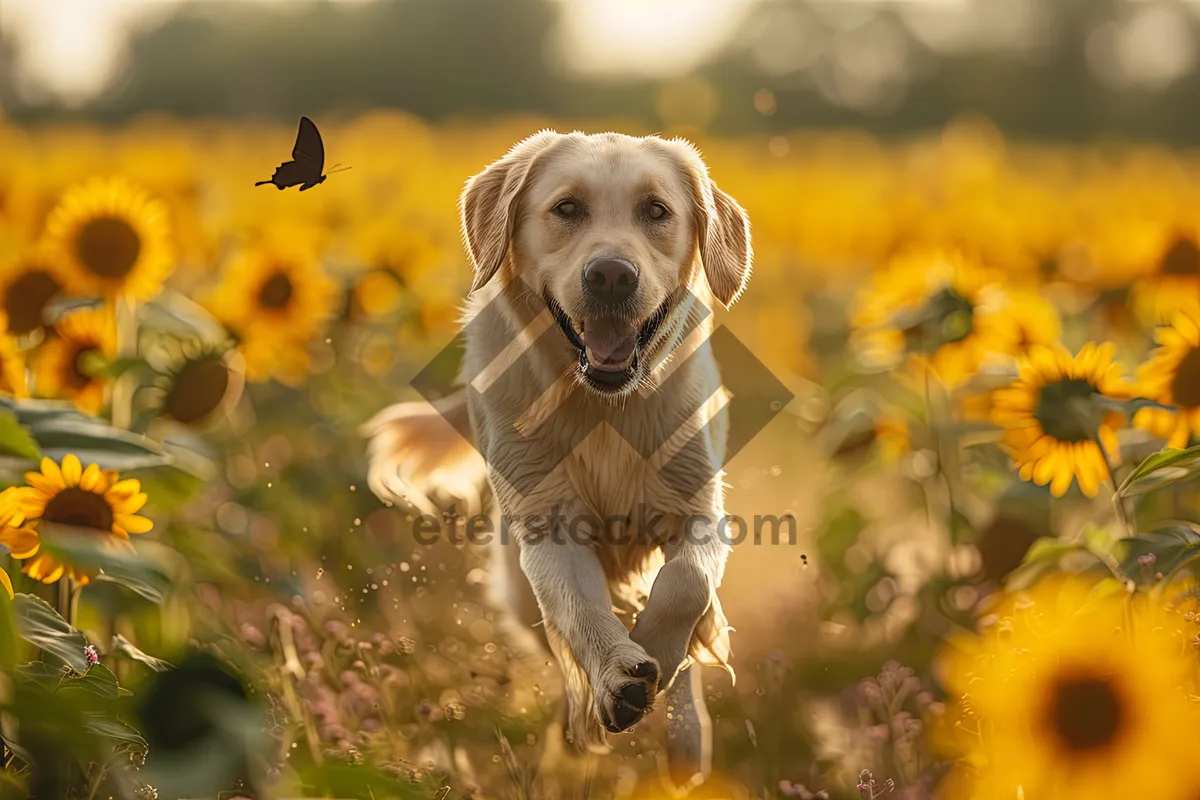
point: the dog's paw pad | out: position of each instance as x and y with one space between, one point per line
646 670
633 699
635 695
624 716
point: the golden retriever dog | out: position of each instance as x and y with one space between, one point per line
594 402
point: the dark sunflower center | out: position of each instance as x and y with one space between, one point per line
947 317
75 506
108 247
1182 258
80 373
1064 411
25 301
198 389
1086 713
276 292
1185 386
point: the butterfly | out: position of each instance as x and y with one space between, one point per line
308 161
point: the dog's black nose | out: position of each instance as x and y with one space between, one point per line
610 280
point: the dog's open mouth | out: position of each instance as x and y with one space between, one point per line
609 348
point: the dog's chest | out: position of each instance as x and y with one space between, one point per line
611 475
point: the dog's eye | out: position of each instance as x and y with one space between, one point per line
658 211
566 208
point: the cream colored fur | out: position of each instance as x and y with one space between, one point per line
521 254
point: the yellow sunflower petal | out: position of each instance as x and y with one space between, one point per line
1088 468
1083 365
92 479
44 568
51 471
1108 438
129 505
21 542
1044 363
7 581
1187 328
1061 481
134 524
125 488
72 470
1046 469
1179 436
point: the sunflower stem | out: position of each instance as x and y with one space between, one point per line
125 387
68 599
946 463
1123 517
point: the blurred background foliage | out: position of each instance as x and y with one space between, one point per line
1058 69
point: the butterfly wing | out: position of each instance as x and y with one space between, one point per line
309 150
290 173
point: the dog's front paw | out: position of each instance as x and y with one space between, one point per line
628 695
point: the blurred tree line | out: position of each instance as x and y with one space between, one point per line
436 58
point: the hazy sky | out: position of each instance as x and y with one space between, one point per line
72 48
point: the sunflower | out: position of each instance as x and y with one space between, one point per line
15 537
266 356
397 256
1171 376
1075 691
947 313
27 285
90 498
275 299
110 238
1173 284
203 385
1054 429
12 364
64 366
1029 319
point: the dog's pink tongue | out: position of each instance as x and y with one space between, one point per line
609 343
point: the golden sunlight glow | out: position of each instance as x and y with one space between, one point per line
666 37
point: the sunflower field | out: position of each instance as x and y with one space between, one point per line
987 588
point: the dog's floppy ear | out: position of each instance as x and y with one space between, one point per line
488 206
722 230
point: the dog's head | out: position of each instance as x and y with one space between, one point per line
607 229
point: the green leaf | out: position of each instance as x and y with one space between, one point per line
130 568
123 647
1097 539
59 428
15 440
112 728
1043 556
1048 548
1128 407
173 313
47 676
169 488
95 441
61 306
8 632
1172 547
1161 469
339 779
99 680
41 626
119 366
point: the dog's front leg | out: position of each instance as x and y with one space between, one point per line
683 591
610 681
